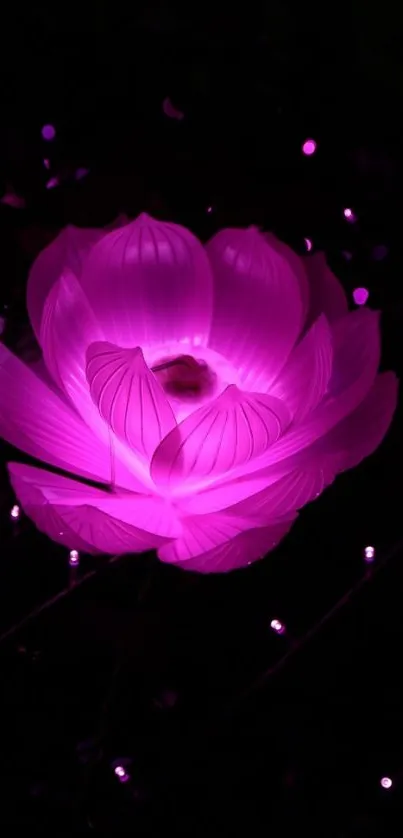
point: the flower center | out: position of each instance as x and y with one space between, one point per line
185 378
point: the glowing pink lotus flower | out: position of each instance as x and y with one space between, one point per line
212 391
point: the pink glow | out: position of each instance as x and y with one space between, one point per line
360 296
277 626
386 783
15 512
81 173
46 163
170 110
54 181
11 199
309 147
379 252
205 434
48 132
369 554
349 215
308 245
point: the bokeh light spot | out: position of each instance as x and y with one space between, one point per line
360 296
386 783
309 147
349 215
48 132
369 553
277 626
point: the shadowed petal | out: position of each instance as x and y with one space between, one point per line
86 518
66 252
36 420
128 396
258 309
327 294
242 549
150 283
356 350
225 434
303 381
357 436
297 265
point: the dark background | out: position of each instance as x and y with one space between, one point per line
181 675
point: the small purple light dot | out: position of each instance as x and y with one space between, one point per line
360 296
308 245
74 558
369 553
209 210
309 147
46 163
80 173
379 252
277 626
48 132
347 255
15 512
386 783
54 181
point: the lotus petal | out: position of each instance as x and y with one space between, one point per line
89 519
128 396
36 420
326 293
258 309
215 439
239 551
303 381
150 284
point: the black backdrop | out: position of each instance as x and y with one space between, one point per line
141 661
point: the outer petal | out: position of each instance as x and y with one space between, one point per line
286 495
258 310
357 436
357 350
297 265
128 396
150 284
36 420
303 381
85 518
327 294
68 327
239 551
356 347
66 251
215 439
